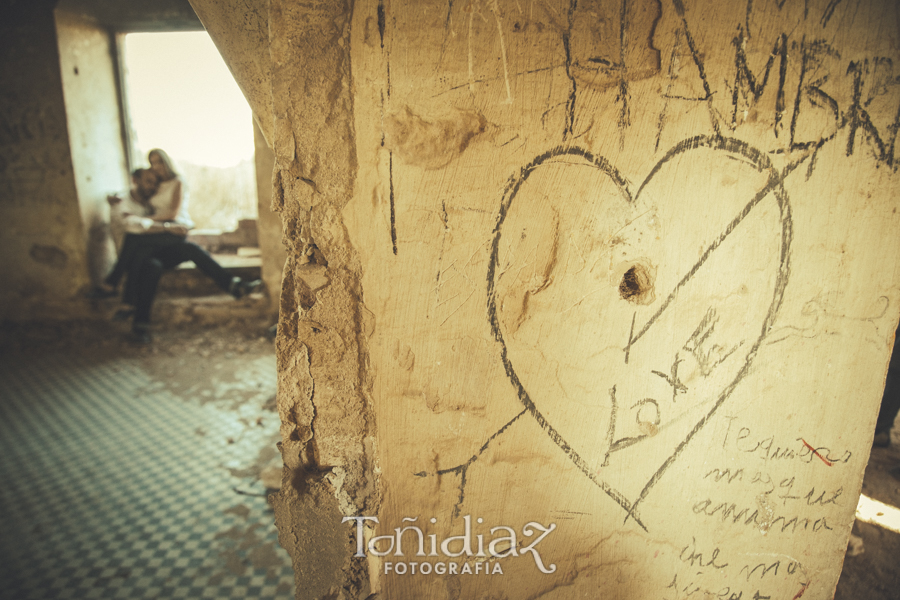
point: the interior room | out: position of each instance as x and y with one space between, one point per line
169 449
464 268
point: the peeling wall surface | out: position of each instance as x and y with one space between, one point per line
597 297
42 244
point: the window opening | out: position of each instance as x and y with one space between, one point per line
180 97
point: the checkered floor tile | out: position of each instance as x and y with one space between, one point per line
112 487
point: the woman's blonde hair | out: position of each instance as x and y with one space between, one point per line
170 166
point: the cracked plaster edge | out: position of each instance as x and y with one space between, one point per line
319 220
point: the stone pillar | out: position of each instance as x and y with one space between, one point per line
596 297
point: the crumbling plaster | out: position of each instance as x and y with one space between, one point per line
299 87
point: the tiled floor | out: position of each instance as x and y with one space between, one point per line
131 473
115 486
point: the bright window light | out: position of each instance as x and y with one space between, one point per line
878 513
183 99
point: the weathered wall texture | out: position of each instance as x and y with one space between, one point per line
43 263
324 384
629 269
95 129
303 69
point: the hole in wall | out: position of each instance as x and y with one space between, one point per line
630 286
636 284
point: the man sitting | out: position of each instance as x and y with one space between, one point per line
151 246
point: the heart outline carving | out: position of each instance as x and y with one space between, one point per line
774 185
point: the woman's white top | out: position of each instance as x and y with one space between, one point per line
170 203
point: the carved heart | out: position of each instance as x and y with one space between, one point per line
626 320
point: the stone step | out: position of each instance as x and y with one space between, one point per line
187 296
187 280
214 309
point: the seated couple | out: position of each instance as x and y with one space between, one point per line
154 218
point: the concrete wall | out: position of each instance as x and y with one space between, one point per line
90 86
43 262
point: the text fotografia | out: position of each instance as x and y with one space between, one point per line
503 542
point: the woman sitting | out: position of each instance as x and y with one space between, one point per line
155 240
